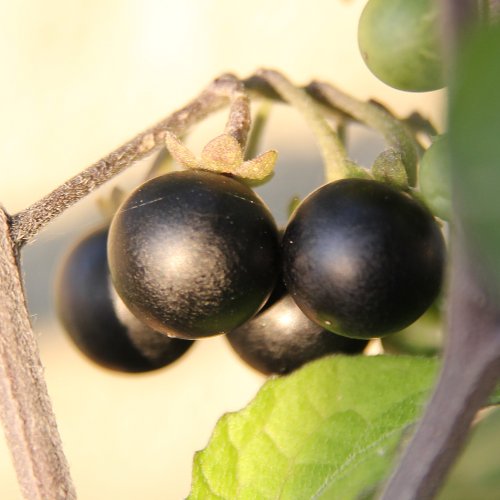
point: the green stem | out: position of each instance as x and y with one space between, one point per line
375 117
337 165
257 129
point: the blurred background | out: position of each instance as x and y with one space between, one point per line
79 79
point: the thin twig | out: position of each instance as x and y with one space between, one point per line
27 223
258 126
25 408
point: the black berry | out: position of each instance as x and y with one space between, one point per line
97 320
363 259
193 253
281 338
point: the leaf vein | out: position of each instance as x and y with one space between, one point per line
357 457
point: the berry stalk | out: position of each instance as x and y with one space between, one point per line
337 164
375 117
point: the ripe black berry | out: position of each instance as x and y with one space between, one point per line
97 320
362 259
193 253
281 338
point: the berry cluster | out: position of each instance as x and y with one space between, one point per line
193 254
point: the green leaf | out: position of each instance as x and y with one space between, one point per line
329 430
474 125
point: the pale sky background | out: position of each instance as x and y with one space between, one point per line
78 79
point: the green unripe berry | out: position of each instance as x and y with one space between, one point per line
399 42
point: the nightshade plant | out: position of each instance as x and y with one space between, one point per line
307 427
